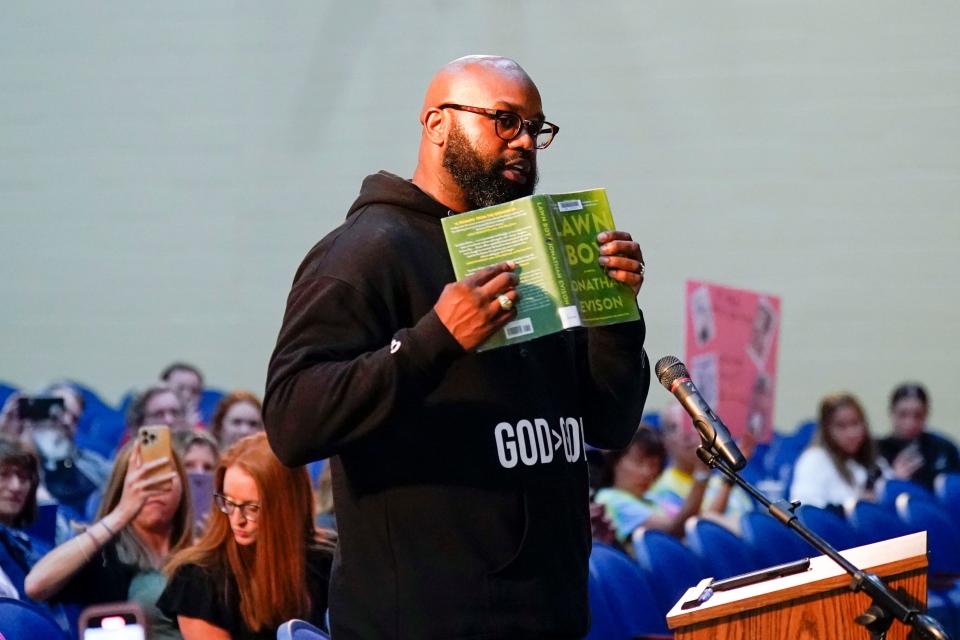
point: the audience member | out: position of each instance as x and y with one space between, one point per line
842 462
199 450
157 404
323 495
201 454
143 519
629 473
20 551
187 382
238 415
685 471
69 474
909 407
73 402
19 479
258 564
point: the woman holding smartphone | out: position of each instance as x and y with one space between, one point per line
842 462
258 563
144 518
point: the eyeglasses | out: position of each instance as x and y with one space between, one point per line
164 416
249 510
510 125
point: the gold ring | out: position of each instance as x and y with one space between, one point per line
505 302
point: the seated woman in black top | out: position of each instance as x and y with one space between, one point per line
257 565
143 520
912 443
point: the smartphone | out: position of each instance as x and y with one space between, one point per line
113 621
201 494
754 577
762 575
39 408
155 444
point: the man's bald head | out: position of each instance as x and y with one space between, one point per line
466 80
463 162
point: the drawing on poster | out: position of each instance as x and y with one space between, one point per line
701 310
761 405
761 336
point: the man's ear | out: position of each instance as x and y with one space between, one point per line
435 126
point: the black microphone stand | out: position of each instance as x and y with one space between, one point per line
885 605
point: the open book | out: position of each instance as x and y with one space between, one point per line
553 240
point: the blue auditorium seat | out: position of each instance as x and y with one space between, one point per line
101 432
6 390
943 537
300 630
44 526
889 489
93 504
624 589
784 451
20 619
209 400
943 610
943 541
92 402
671 567
873 522
828 525
603 622
652 418
946 487
719 549
756 469
772 542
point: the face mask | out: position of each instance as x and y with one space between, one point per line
52 443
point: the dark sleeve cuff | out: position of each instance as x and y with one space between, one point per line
426 350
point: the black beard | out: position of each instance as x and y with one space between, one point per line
484 186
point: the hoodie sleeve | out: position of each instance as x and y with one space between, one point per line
617 379
337 374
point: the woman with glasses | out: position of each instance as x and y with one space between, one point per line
19 551
257 564
157 404
143 519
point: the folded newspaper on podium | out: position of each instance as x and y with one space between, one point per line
553 240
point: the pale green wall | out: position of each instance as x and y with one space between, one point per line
164 167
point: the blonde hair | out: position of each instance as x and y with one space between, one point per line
866 454
130 549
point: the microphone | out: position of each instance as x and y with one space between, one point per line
674 376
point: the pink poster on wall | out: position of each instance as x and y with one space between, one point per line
731 351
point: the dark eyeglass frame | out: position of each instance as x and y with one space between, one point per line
228 506
533 127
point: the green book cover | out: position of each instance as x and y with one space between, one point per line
552 239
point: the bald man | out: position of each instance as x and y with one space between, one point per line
460 480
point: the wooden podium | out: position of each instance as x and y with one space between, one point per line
814 605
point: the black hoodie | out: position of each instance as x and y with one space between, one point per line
460 479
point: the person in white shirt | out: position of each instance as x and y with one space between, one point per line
842 462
